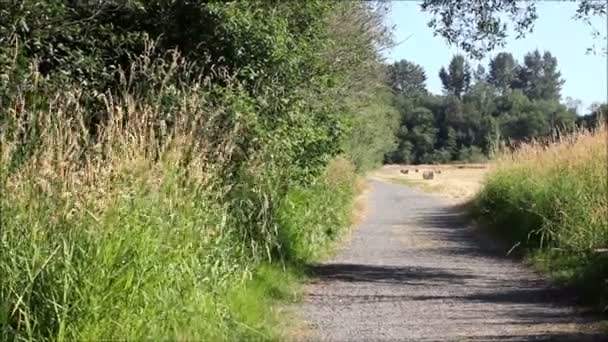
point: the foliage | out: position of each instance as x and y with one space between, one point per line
313 216
457 78
87 42
156 154
372 130
407 78
503 72
479 74
539 78
479 27
510 104
599 114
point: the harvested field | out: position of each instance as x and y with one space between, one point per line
458 182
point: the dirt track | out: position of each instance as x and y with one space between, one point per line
414 271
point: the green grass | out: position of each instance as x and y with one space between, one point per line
154 259
129 235
257 306
122 245
551 203
315 216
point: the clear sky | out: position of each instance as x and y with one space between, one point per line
567 39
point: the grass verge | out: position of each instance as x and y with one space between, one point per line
149 231
156 260
551 202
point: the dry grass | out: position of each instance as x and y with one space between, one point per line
95 225
457 182
135 232
550 200
569 153
360 207
569 177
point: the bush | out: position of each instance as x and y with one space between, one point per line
441 156
472 154
146 187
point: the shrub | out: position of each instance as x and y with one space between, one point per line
472 154
146 186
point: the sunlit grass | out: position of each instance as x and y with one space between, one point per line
126 236
551 199
420 184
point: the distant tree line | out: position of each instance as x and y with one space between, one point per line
479 109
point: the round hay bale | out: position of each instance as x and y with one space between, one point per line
428 175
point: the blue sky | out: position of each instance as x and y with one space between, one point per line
567 39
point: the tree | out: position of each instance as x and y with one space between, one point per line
513 100
417 132
457 79
539 77
477 27
600 110
573 104
480 74
483 96
422 133
503 72
598 114
407 78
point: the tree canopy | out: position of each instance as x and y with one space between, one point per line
512 102
480 27
457 79
503 72
407 78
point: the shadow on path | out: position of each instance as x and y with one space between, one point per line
458 274
384 274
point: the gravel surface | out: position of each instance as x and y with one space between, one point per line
414 271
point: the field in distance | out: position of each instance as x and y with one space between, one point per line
457 182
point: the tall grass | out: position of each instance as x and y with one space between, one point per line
552 200
134 232
309 223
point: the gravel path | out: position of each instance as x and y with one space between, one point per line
414 271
